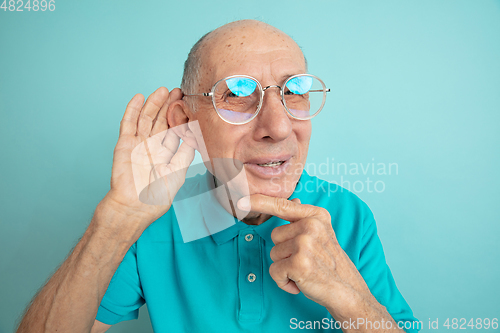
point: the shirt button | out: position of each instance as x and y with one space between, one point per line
251 277
248 237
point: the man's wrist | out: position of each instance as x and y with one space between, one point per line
112 221
346 304
361 308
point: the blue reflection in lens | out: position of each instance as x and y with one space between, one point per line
300 113
235 117
300 85
241 86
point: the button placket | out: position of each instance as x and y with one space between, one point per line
250 281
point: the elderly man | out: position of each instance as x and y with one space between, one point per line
299 259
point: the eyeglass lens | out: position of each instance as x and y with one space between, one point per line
237 98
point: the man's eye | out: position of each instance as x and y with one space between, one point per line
288 92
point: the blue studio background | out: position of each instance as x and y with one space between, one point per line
414 84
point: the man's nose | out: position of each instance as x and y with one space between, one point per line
273 120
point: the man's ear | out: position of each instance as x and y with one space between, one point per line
178 114
178 117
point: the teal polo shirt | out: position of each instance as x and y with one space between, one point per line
220 282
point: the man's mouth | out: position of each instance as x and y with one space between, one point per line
271 164
269 167
269 161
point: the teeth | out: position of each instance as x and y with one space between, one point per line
271 164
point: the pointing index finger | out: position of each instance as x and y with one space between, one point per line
284 209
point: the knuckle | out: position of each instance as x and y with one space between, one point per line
273 253
305 247
281 206
304 264
147 117
323 213
273 270
311 226
300 264
276 233
302 241
296 261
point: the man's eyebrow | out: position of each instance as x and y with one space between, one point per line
284 77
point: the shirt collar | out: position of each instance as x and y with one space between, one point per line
221 225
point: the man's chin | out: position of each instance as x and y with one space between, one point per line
279 189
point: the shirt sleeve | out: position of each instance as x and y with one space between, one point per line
124 295
377 275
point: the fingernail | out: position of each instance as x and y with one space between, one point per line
244 203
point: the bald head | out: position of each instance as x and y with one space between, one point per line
228 44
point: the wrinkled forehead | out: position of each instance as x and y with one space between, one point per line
263 53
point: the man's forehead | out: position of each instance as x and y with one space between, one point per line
248 48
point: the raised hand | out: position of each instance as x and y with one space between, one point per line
147 160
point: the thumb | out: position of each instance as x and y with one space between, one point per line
296 200
291 287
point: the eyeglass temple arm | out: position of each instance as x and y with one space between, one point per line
202 94
208 94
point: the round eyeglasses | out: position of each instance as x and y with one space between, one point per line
237 99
